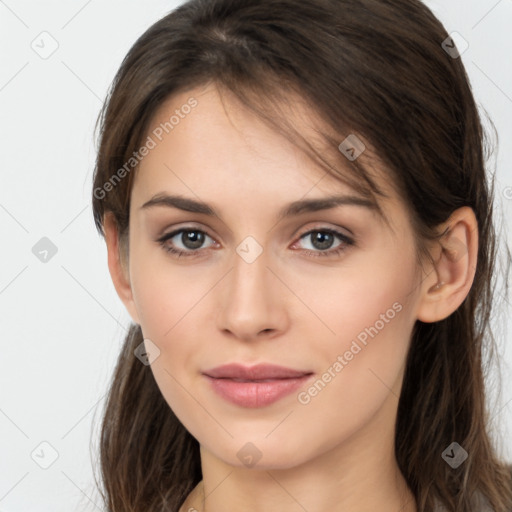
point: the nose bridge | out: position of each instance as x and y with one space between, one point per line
250 302
249 279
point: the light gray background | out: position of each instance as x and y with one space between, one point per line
62 323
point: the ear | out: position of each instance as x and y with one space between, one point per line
448 283
118 265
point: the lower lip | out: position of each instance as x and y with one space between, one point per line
256 394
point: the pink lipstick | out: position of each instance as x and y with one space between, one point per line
255 386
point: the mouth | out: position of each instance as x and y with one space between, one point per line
256 386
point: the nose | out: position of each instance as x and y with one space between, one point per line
252 300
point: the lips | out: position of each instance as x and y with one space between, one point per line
252 373
255 386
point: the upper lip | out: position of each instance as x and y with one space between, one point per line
257 372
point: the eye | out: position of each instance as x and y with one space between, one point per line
188 242
191 241
322 241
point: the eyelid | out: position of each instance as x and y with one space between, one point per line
201 228
345 239
325 227
187 227
346 242
176 231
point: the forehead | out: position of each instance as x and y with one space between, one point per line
218 147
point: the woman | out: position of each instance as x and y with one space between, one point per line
299 222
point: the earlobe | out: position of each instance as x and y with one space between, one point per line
448 283
118 266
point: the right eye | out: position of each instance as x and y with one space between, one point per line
191 240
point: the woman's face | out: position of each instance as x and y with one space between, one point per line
255 287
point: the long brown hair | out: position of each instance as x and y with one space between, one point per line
369 67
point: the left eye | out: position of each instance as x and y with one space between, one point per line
323 240
192 240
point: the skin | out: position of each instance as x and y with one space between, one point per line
287 307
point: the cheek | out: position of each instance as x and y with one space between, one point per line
165 294
169 305
367 301
171 302
369 313
360 368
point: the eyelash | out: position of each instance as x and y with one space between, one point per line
347 242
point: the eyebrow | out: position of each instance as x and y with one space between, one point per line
295 208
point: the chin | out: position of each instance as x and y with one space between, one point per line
262 454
